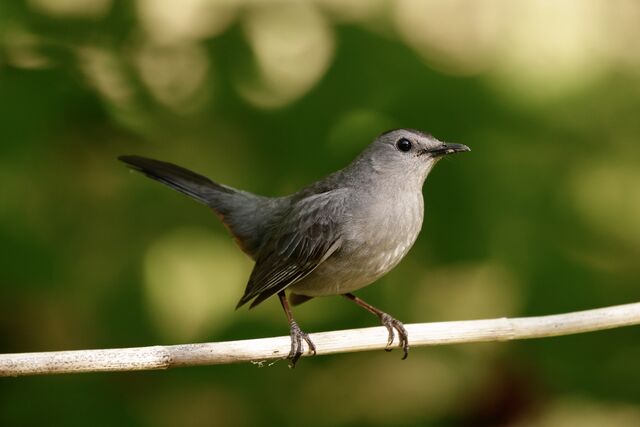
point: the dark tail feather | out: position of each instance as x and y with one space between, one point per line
190 183
243 213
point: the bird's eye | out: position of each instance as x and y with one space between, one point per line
403 144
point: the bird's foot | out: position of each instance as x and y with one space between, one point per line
393 324
297 335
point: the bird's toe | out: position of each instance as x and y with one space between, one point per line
297 335
392 325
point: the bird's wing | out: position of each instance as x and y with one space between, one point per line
305 237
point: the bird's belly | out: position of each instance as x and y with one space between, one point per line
345 273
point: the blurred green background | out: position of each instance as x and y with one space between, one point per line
543 216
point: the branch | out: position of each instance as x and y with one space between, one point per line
271 349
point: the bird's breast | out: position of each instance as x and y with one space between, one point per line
387 231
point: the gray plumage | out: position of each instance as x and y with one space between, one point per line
334 236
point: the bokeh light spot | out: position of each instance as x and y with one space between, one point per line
193 278
72 8
470 291
176 75
105 73
454 36
293 46
169 21
552 48
574 411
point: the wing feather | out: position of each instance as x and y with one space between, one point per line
302 240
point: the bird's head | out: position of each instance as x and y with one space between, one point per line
407 154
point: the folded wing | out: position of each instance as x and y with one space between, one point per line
305 237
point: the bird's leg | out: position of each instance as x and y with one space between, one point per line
297 335
389 322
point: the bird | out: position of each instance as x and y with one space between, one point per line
332 237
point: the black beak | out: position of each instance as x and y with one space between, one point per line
447 148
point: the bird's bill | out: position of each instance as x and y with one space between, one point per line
447 148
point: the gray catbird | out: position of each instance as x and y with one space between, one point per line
330 238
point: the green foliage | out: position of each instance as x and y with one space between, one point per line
543 216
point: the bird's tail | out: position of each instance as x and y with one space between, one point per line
241 212
185 181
